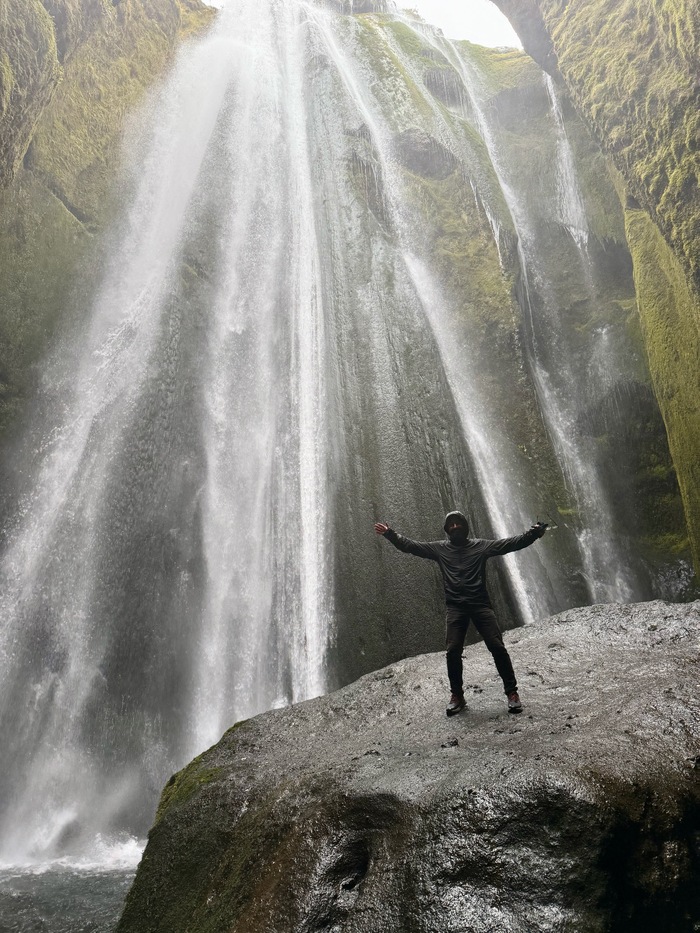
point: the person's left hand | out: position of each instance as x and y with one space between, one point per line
540 528
381 528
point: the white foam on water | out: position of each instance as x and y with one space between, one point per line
118 854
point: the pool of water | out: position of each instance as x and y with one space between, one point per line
62 900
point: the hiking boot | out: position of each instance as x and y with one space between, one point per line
514 704
456 704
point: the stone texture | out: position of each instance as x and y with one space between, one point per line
369 810
422 154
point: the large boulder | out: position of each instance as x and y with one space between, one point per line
368 810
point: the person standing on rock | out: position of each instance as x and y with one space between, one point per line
462 562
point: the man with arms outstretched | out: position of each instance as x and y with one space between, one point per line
462 562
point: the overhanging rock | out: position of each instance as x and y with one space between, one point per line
368 810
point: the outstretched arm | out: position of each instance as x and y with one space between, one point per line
418 548
517 543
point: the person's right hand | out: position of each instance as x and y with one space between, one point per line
540 528
381 528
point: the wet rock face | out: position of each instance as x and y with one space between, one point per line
446 86
423 155
369 810
636 87
526 18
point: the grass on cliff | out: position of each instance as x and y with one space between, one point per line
404 100
29 74
183 785
77 141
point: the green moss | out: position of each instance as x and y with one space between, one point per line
668 544
182 786
669 312
74 20
405 102
409 40
213 880
632 70
234 728
7 81
77 141
29 73
41 247
502 69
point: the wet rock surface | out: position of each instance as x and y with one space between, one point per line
422 154
369 810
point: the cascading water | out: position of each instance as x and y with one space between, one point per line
272 362
180 508
572 211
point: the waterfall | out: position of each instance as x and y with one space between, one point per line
572 211
271 362
180 507
562 378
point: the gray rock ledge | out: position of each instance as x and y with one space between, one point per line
368 810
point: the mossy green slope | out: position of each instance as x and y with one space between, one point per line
74 147
29 73
59 197
671 325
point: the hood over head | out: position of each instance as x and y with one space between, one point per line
459 535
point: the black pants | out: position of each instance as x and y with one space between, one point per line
484 619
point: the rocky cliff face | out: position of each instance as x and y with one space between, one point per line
70 72
368 810
38 39
632 72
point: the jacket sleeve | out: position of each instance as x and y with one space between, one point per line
506 545
418 548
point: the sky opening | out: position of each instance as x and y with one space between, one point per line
477 20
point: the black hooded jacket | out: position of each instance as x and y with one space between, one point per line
463 565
